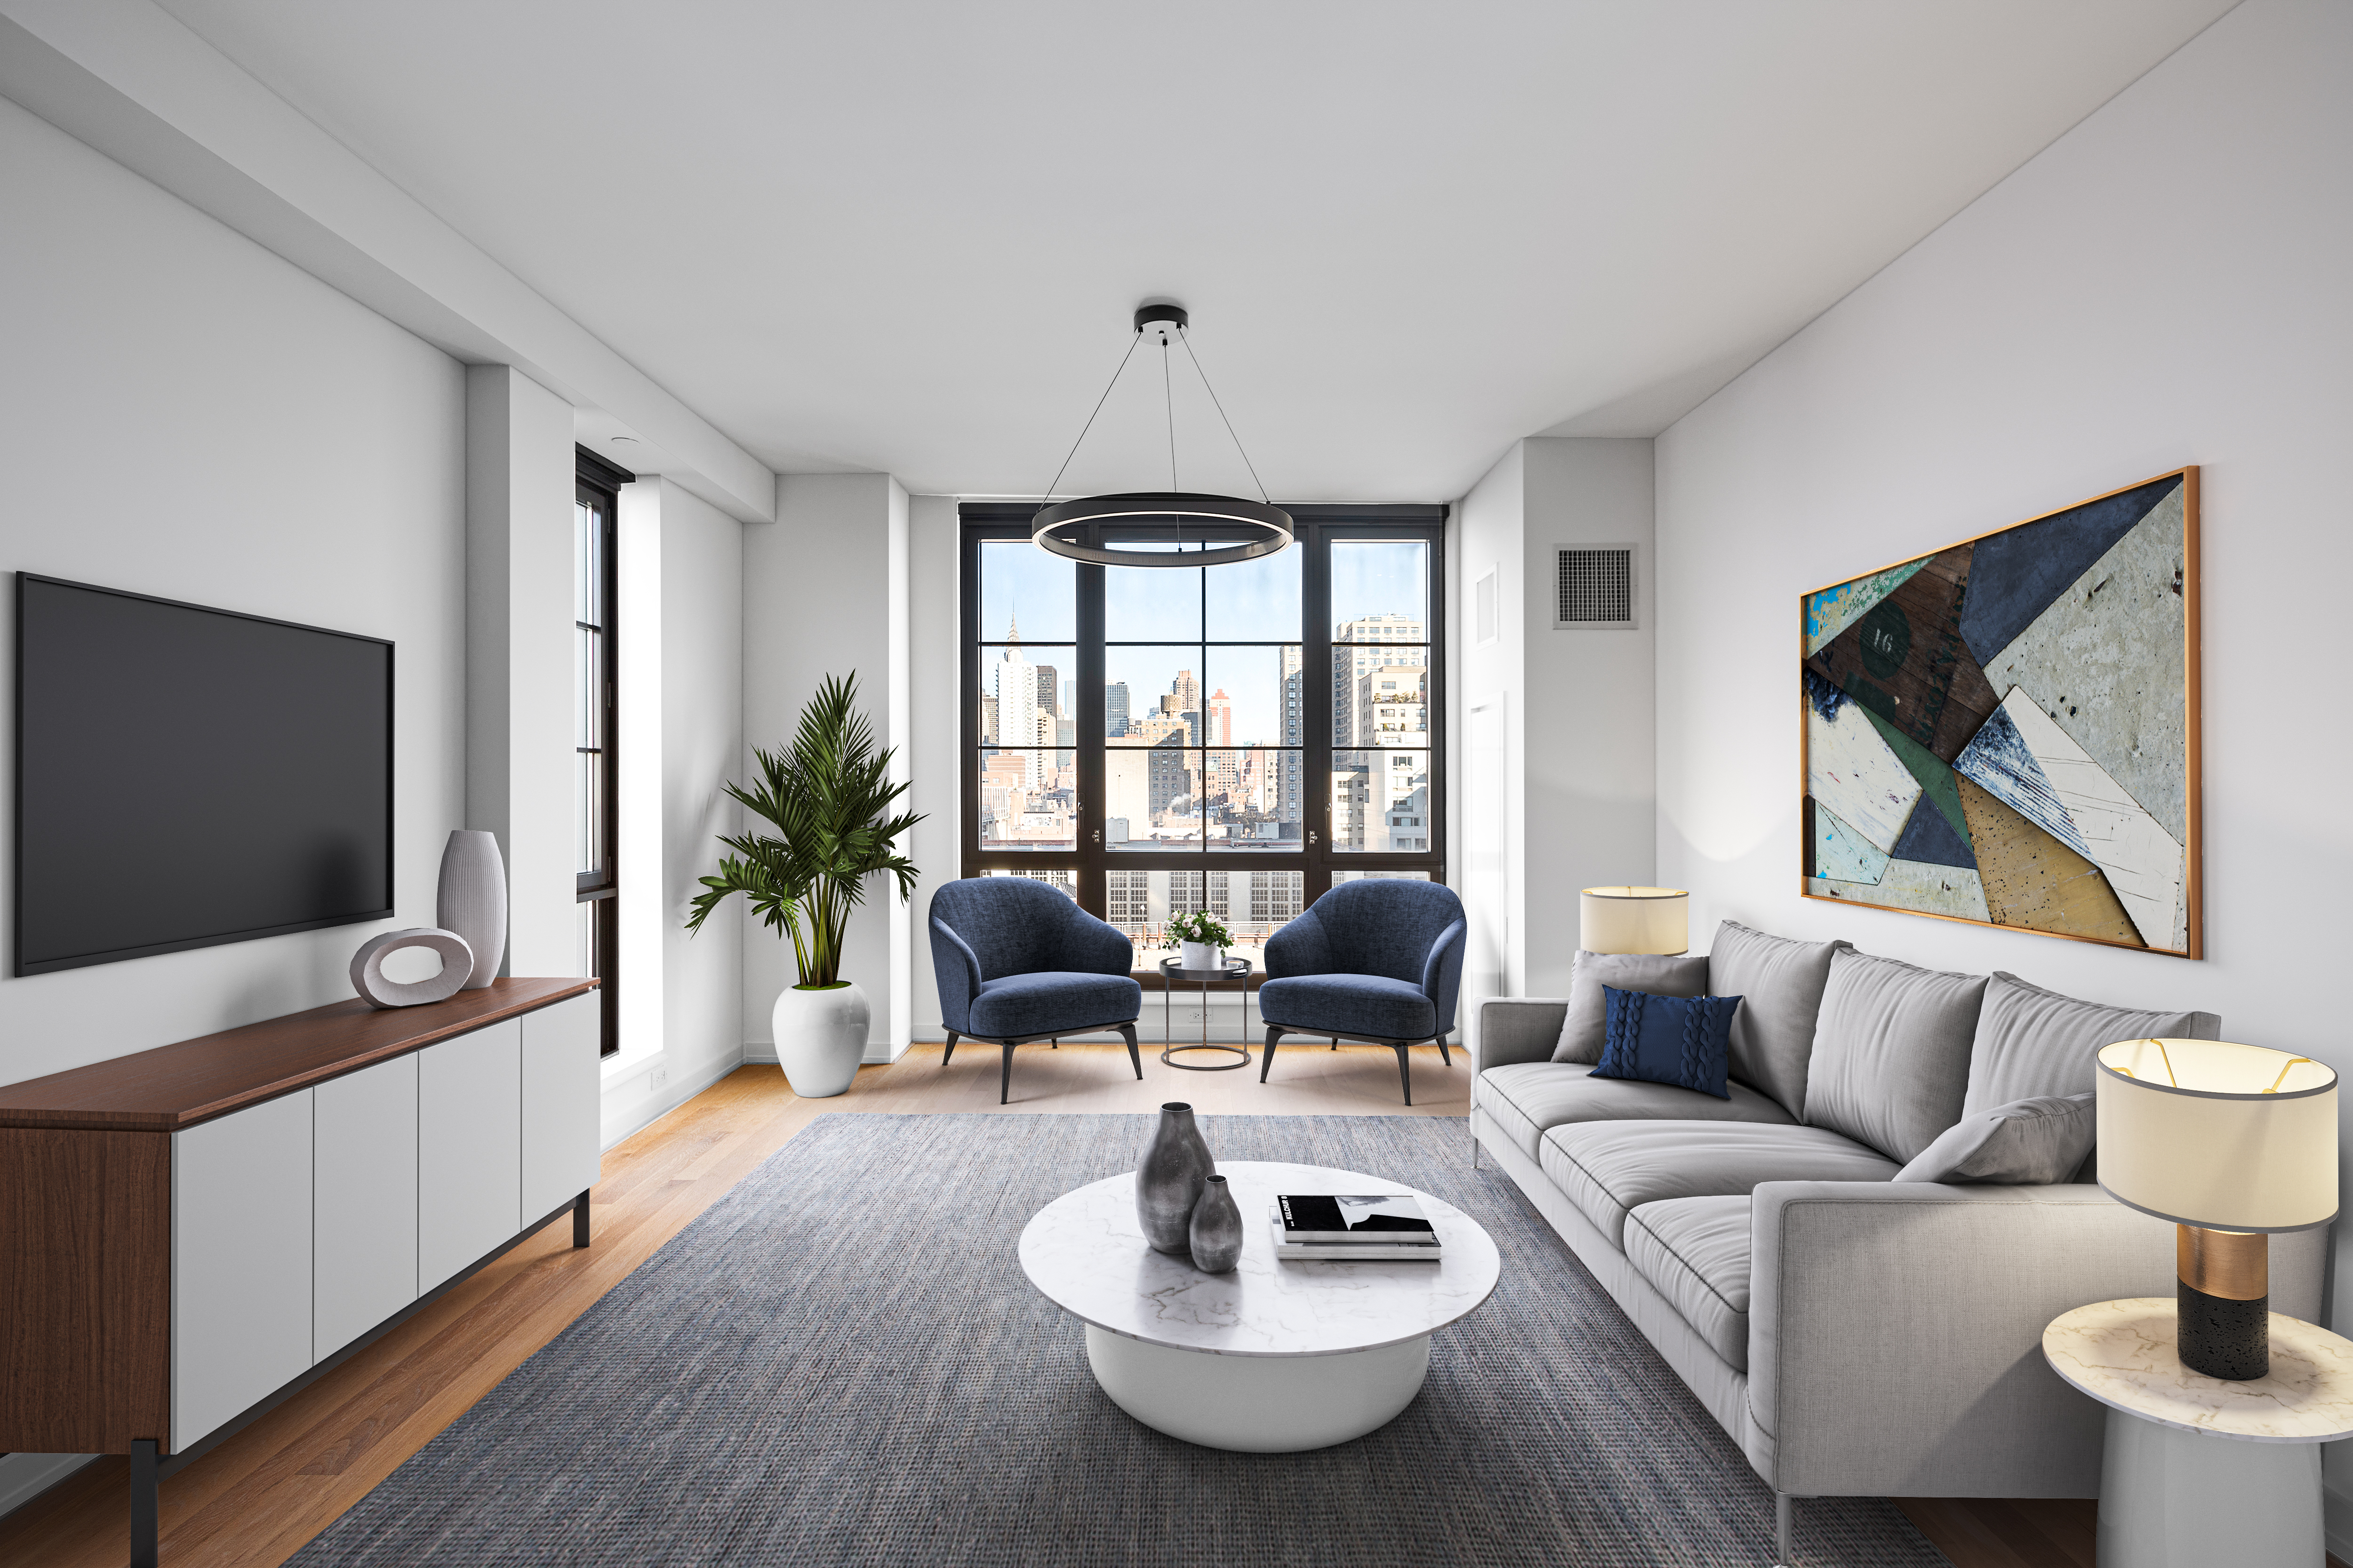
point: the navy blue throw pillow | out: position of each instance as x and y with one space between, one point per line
1678 1040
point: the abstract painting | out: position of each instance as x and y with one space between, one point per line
2006 730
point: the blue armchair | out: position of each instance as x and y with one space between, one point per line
1018 962
1375 960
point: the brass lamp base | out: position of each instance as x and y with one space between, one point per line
2223 1299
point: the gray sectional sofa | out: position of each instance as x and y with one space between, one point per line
1854 1334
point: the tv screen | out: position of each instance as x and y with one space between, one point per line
188 776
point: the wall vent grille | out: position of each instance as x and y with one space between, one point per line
1594 588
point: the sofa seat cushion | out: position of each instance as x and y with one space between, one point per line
1696 1250
1051 999
1371 1005
1607 1168
1527 1099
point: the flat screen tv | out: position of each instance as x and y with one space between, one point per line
189 777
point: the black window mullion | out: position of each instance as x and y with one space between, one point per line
1315 713
1094 784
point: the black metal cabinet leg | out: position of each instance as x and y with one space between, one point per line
580 1220
144 1504
1405 1076
1273 1033
949 1055
1442 1057
1127 1033
1005 1079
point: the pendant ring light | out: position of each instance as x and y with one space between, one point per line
1090 528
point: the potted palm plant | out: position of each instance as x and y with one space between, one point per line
828 798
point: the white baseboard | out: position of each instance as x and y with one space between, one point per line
633 1115
23 1477
878 1053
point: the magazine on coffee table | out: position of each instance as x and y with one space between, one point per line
1366 1216
1370 1249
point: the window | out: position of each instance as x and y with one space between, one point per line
595 761
1161 739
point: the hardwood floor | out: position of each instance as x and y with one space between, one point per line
257 1498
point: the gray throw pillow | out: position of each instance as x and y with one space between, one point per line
1779 983
2027 1143
2034 1042
1891 1062
1681 975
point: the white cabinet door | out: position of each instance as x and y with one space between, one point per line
561 1090
364 1229
469 1149
240 1261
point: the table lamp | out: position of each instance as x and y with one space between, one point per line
2230 1143
1634 920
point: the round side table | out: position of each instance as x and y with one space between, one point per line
2174 1493
1173 972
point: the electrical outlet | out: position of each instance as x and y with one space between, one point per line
661 1077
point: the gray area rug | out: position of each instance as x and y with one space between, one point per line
840 1362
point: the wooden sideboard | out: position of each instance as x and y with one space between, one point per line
189 1233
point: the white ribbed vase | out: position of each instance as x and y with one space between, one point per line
820 1037
472 901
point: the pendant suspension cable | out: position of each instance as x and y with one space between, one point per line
1047 499
1186 339
1168 396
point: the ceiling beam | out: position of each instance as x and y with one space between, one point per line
127 79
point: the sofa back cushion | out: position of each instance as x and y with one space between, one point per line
2033 1043
2028 1142
1584 1029
1891 1059
1779 983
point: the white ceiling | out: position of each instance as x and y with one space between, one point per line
908 238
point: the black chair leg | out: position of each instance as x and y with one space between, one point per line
1127 1033
1053 1044
1273 1033
1405 1077
1442 1057
1336 1042
1005 1080
949 1055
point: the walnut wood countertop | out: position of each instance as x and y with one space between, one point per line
177 1086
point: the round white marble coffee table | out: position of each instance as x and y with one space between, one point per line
2172 1496
1275 1357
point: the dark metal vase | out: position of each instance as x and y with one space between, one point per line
1168 1182
1217 1231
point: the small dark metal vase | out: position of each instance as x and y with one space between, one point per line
1216 1232
1168 1182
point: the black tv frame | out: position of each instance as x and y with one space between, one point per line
17 965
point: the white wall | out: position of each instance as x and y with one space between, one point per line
2165 285
1565 716
682 657
183 413
934 625
825 591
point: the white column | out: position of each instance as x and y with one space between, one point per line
825 591
519 636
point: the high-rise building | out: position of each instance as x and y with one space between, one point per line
1391 710
1016 704
1221 720
1363 653
1050 689
1186 691
1116 709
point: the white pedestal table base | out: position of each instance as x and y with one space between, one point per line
2176 1499
1258 1405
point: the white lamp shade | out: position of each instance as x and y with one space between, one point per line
2223 1136
1634 920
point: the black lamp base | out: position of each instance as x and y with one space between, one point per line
2220 1337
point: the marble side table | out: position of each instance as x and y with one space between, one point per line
1277 1356
2197 1471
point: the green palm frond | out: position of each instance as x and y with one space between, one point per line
828 795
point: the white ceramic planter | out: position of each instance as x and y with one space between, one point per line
820 1037
1201 956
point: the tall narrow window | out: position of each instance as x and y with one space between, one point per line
595 761
1232 739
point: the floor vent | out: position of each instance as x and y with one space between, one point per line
1594 588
